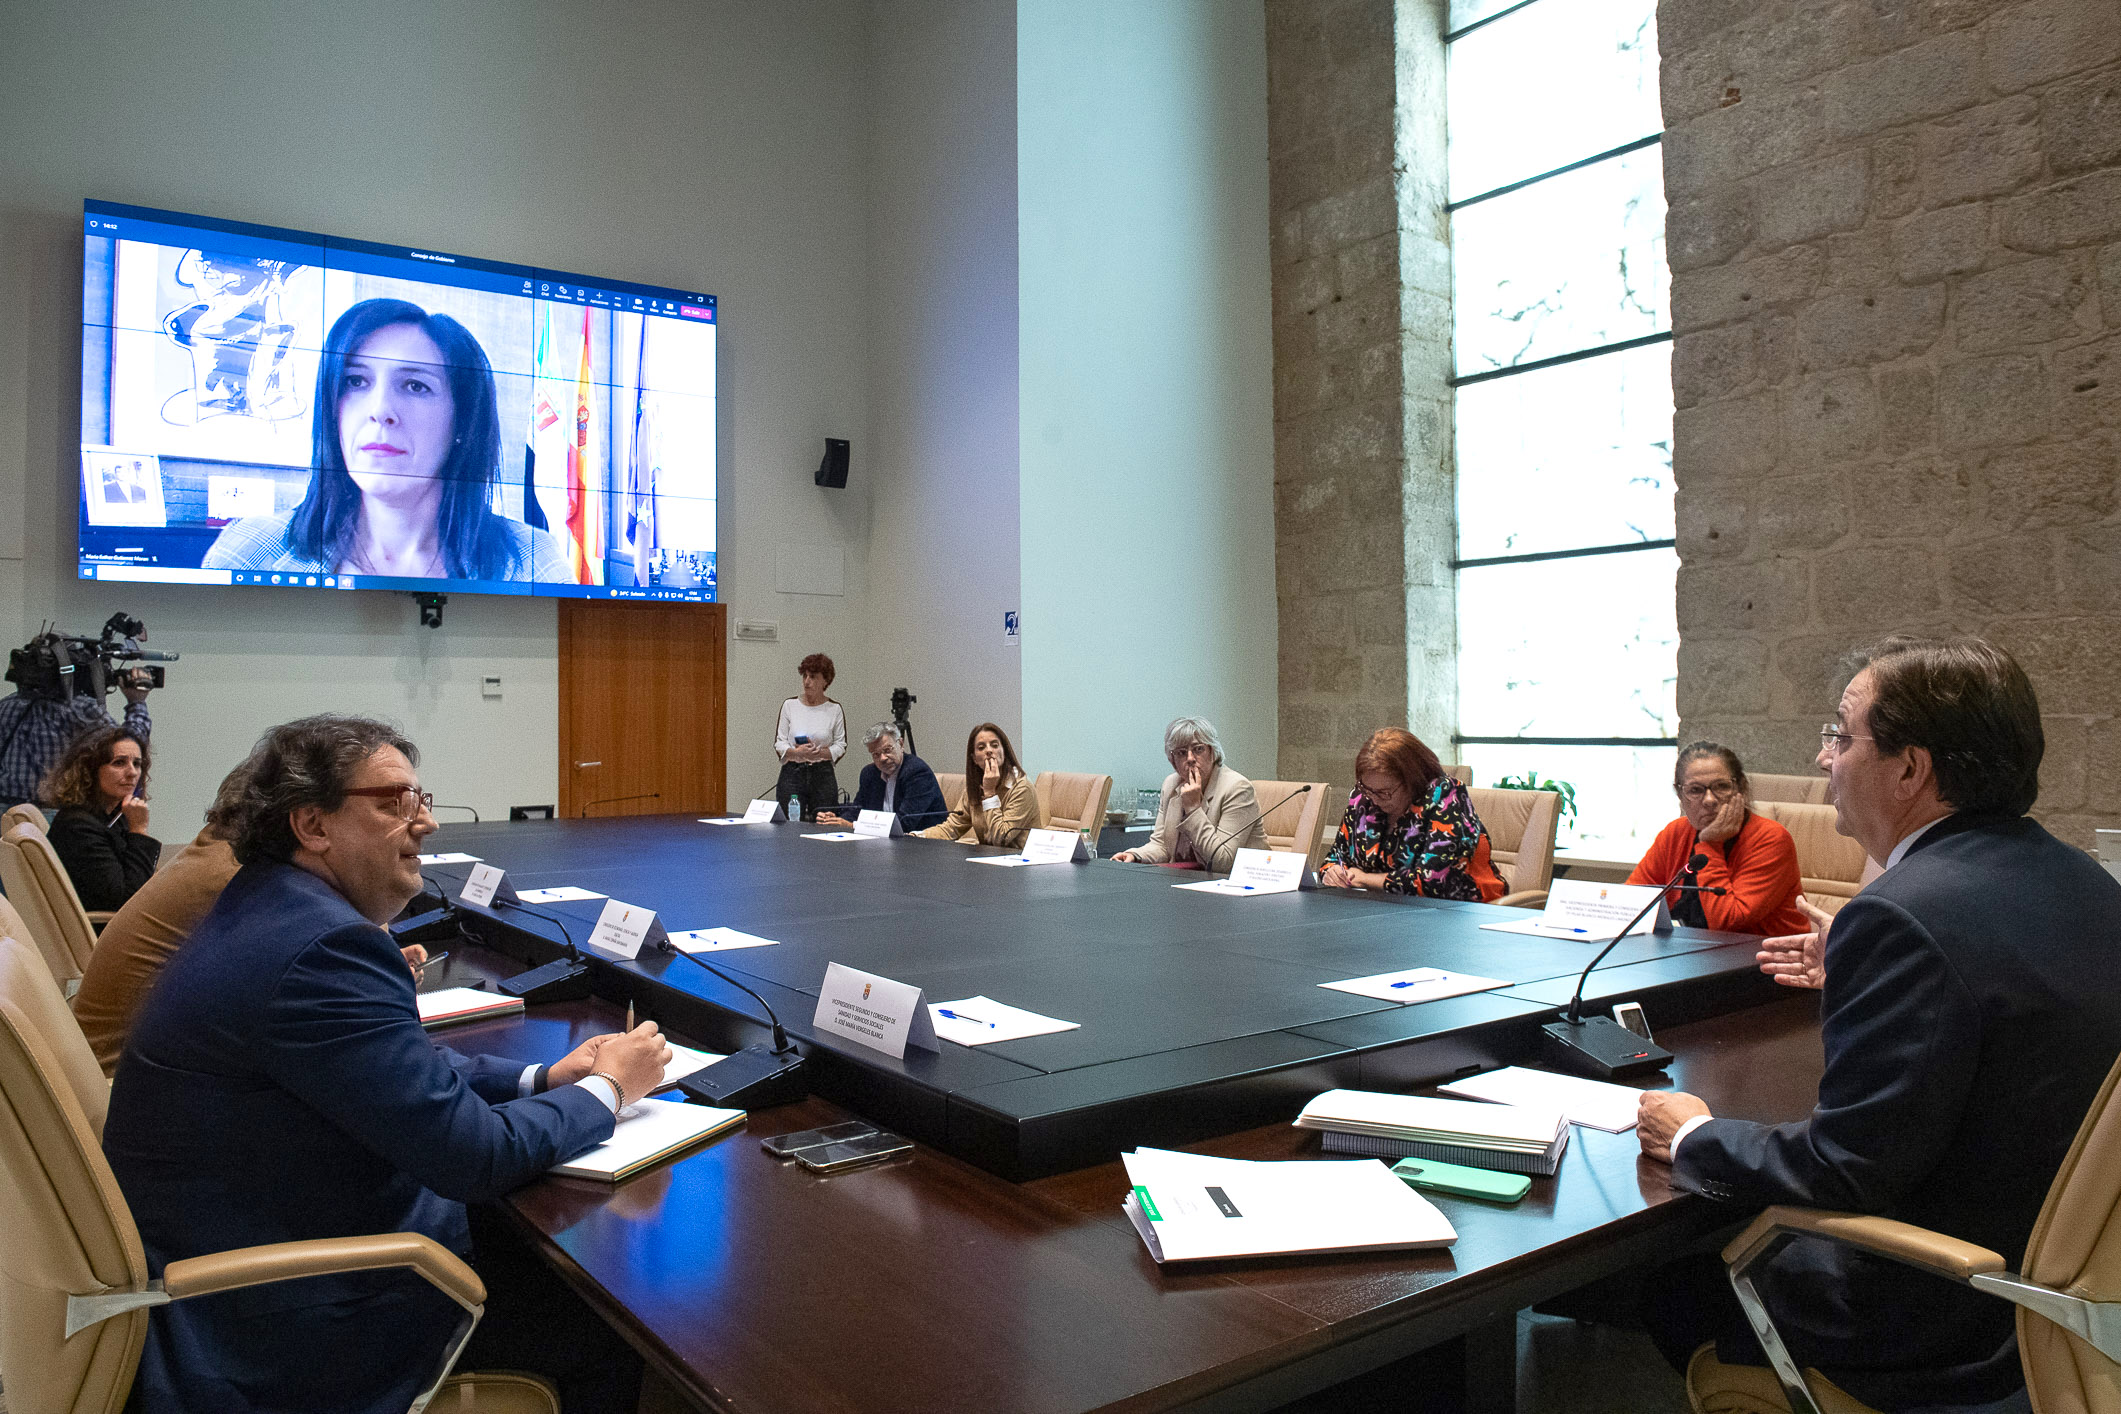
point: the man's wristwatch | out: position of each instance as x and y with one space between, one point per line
616 1088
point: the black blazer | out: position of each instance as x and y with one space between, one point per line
919 802
1972 1009
106 860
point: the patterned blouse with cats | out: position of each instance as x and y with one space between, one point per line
1439 850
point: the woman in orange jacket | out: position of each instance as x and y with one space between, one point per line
1750 857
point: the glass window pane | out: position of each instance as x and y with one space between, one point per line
1566 264
1623 793
1561 458
1549 85
1466 12
1582 647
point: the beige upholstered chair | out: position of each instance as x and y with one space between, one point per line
2067 1290
37 885
1294 812
1073 800
1795 790
23 814
953 784
1461 773
1521 825
75 1275
1833 866
25 978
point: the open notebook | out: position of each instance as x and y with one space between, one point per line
648 1132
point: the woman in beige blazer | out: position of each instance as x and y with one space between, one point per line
1000 807
1207 812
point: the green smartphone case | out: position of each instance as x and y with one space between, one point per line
1463 1182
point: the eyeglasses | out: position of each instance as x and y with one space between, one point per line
410 802
1697 794
1832 738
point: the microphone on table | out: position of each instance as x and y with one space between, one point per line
474 813
619 799
755 1078
1599 1044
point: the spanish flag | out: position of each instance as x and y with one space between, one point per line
585 537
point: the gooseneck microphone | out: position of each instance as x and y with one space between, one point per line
756 1077
617 799
1600 1044
1300 790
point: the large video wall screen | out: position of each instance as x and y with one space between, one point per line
273 408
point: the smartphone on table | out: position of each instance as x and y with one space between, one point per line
853 1153
1460 1181
784 1146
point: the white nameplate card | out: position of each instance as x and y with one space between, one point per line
487 885
1416 984
1041 847
449 859
1592 913
1260 871
759 812
873 1011
878 825
564 893
623 929
981 1021
719 940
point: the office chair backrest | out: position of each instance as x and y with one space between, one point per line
2076 1247
1460 772
953 784
1788 790
69 1233
26 981
26 892
1829 862
75 931
23 814
1293 815
1073 800
1521 826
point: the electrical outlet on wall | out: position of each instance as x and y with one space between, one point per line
490 686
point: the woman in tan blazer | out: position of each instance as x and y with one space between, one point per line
1207 812
1000 808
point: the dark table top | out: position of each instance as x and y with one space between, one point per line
928 1284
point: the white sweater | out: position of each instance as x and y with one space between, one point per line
824 723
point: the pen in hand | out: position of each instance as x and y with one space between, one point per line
629 1016
419 969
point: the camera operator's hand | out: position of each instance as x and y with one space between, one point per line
135 810
136 685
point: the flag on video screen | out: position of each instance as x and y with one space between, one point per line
641 473
585 540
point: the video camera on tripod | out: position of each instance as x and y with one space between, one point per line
56 666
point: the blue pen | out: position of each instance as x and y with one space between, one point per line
960 1016
1415 981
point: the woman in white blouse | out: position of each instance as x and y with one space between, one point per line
812 735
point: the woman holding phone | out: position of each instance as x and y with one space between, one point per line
812 734
100 833
406 443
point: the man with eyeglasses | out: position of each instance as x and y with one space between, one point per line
1971 1010
277 1085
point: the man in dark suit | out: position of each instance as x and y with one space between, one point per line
278 1085
1971 1010
896 781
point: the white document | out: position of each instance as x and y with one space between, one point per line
487 884
840 836
449 859
873 1011
1001 861
981 1021
758 812
445 1005
648 1129
719 940
1592 913
1588 1102
684 1060
623 929
1189 1207
1416 984
562 894
878 825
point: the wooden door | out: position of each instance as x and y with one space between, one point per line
643 705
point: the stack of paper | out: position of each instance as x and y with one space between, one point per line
1513 1138
1588 1102
648 1132
684 1061
1190 1207
447 1005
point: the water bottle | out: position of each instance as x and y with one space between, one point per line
795 807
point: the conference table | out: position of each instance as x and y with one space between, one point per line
991 1274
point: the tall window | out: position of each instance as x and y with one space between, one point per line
1567 638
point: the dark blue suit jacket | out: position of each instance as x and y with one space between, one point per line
1971 1012
919 802
277 1085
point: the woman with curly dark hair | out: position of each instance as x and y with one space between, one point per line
100 833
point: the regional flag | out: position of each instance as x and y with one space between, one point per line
585 539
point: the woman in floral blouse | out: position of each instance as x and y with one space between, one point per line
1410 829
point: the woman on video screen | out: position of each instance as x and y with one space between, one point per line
407 446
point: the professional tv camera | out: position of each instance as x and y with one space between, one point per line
901 708
56 666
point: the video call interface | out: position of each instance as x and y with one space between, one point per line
486 427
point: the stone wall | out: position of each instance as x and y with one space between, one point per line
1363 489
1895 237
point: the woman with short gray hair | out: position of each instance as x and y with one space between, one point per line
1206 812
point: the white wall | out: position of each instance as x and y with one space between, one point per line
709 144
943 370
1146 381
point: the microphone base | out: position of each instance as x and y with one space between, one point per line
752 1079
1602 1048
560 980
